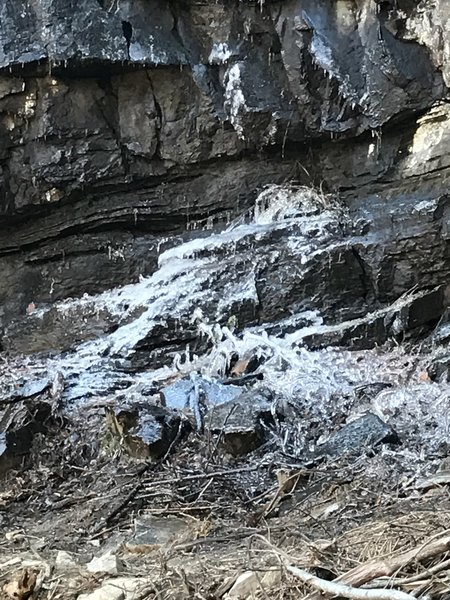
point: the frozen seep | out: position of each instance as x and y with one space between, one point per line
196 287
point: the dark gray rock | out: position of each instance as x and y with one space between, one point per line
110 140
145 431
180 395
19 423
439 368
29 389
48 330
359 436
241 423
408 314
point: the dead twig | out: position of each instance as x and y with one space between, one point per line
385 568
200 476
286 485
220 436
381 583
120 507
346 591
236 535
243 379
334 588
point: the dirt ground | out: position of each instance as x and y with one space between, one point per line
200 524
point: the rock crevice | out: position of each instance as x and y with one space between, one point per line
126 123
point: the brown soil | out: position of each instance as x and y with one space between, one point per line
212 518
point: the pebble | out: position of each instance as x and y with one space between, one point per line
107 563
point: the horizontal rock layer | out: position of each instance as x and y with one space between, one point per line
125 126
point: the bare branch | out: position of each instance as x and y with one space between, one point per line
346 591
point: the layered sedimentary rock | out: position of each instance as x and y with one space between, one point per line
127 124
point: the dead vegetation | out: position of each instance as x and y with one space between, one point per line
81 518
189 527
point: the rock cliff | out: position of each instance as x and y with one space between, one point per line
128 124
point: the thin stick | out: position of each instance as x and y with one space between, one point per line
418 577
119 508
148 466
220 436
346 591
385 568
237 535
159 482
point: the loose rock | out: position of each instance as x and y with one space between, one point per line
250 582
19 422
65 560
119 588
179 394
104 593
240 422
107 563
144 431
360 435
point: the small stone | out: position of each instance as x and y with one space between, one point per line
65 559
104 593
247 584
107 563
121 588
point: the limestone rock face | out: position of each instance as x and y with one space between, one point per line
123 124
